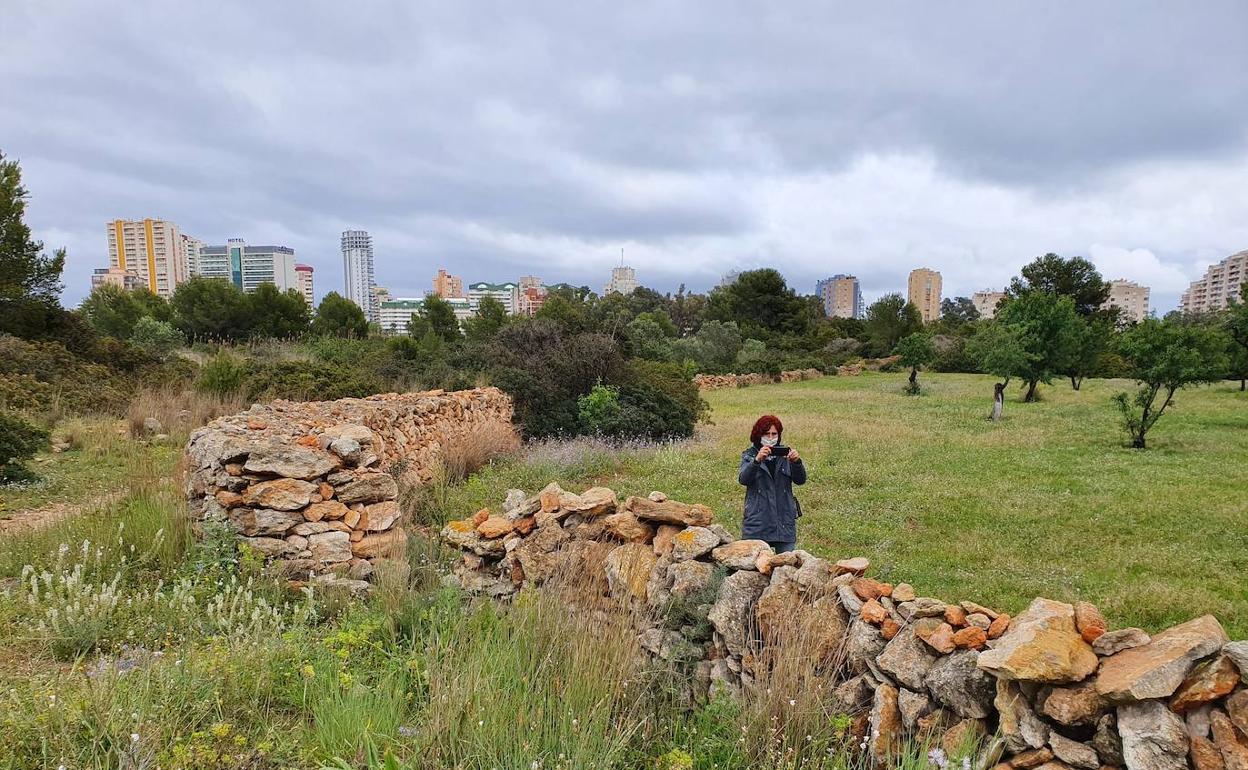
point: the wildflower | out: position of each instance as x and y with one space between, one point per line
134 737
938 758
307 671
966 763
792 702
407 732
480 723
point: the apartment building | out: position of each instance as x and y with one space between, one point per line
1221 283
841 296
150 249
986 302
924 293
1130 298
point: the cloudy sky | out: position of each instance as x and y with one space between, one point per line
497 139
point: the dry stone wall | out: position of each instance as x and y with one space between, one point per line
717 381
312 485
1052 687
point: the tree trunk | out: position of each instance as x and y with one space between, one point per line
1242 382
1075 382
1137 441
998 400
1031 391
914 375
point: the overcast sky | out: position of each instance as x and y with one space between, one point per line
497 139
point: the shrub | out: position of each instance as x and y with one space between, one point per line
19 440
47 376
599 410
157 339
222 376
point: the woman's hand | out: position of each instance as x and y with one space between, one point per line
763 453
794 457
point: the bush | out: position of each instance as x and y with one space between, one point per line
47 376
157 339
599 410
222 376
19 440
308 380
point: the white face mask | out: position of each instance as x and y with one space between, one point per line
769 441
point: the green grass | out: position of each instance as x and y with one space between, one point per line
1049 502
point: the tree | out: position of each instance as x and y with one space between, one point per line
1092 342
491 316
1047 329
1236 325
1076 278
565 308
210 309
441 318
648 339
915 350
957 312
157 339
30 280
276 314
762 305
687 311
338 316
1163 358
889 319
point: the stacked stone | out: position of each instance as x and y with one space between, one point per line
1054 686
311 485
855 368
717 381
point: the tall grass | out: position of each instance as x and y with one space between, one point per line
180 410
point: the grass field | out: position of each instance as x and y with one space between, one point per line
1047 502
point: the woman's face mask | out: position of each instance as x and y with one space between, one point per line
770 440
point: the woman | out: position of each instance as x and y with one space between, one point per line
771 510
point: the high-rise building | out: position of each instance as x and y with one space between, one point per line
506 293
532 295
152 250
249 266
986 302
1130 298
623 281
841 295
115 276
1221 283
191 246
396 312
357 268
446 285
924 293
303 282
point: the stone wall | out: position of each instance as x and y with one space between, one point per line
312 485
716 381
1052 687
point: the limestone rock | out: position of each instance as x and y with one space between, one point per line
328 509
628 570
492 527
1107 742
885 721
1089 621
1152 737
391 544
1019 725
1237 710
968 732
907 659
972 607
937 635
383 515
1156 670
741 554
310 528
269 546
856 566
849 600
873 612
692 542
1077 705
979 620
664 538
814 574
264 521
1042 645
1209 681
852 695
670 512
999 625
279 494
863 643
369 488
689 577
1197 721
628 527
956 682
1031 758
535 553
330 546
903 592
912 706
1205 755
970 638
294 462
1238 653
1116 641
1073 753
734 607
1232 745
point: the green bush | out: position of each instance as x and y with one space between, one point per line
154 338
47 376
309 380
222 375
19 440
599 410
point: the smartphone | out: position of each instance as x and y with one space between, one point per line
780 450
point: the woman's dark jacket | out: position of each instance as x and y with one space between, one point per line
770 508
